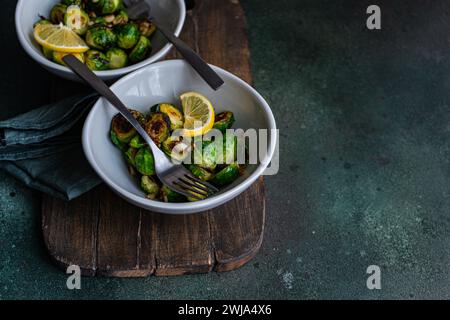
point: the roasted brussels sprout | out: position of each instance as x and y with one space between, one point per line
96 60
199 172
127 35
158 127
175 148
76 19
121 18
73 2
100 37
123 129
57 57
175 116
99 21
168 195
111 6
147 28
209 157
103 7
139 117
137 142
57 13
117 58
150 187
229 149
42 21
141 50
224 121
130 154
144 161
115 140
205 155
226 176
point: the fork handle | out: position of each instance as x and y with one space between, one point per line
98 85
202 68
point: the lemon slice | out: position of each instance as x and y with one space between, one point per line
59 38
198 114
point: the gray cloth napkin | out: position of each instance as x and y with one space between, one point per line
42 148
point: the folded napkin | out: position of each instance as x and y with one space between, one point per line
42 148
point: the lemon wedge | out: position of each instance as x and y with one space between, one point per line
59 38
198 114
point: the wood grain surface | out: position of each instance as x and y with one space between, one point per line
105 235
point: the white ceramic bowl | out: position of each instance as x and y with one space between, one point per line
170 13
166 81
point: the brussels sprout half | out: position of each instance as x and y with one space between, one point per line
123 129
199 172
229 149
158 127
127 35
175 148
141 50
226 175
117 58
96 60
144 161
147 28
76 19
224 121
103 7
100 37
205 155
115 140
168 195
137 142
57 13
121 18
150 187
99 21
175 115
130 155
139 116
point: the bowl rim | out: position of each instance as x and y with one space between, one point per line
185 207
21 5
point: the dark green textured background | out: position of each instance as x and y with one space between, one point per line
364 120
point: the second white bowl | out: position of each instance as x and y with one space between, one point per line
164 82
170 13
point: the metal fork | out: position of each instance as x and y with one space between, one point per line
175 176
138 9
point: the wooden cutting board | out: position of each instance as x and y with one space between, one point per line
105 235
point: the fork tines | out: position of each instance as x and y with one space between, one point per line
191 186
